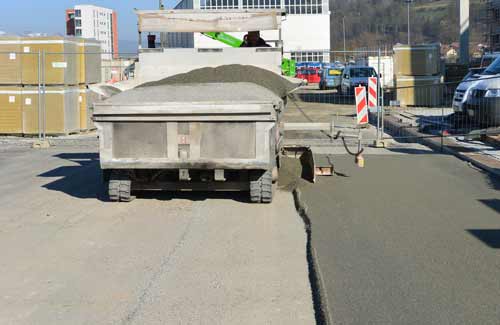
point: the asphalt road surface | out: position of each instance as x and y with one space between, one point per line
71 257
410 239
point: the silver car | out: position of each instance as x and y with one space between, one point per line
354 76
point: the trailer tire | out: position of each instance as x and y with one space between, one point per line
120 187
262 190
125 190
114 190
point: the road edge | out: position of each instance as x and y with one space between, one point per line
321 314
436 145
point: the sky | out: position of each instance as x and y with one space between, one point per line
47 16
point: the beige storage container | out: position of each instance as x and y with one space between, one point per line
90 58
419 91
61 107
93 61
10 60
83 108
11 112
61 63
86 100
417 60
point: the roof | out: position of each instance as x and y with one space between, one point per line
196 20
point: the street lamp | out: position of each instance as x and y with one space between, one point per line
408 2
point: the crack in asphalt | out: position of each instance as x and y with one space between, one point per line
162 269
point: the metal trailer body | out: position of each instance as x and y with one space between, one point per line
158 63
210 136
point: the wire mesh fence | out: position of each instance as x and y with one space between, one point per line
48 92
408 107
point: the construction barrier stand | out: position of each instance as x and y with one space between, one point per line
361 105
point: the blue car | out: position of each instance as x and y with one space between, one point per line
330 78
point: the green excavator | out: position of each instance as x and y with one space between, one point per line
287 65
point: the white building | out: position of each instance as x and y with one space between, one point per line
98 23
305 32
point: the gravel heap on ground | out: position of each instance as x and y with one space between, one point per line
228 74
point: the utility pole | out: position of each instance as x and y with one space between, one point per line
464 30
408 2
343 28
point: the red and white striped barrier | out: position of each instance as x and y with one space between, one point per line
361 106
372 92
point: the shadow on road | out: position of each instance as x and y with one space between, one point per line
193 196
413 151
494 204
490 237
81 180
84 180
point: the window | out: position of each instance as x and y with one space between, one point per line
78 32
304 7
78 13
261 4
219 4
313 56
78 22
294 7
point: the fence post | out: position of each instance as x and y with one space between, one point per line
39 96
381 95
378 97
44 107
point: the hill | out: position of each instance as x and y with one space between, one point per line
373 22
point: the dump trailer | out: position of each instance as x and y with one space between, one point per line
211 136
200 120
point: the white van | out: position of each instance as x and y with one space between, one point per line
473 77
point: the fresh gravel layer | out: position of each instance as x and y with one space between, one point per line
228 74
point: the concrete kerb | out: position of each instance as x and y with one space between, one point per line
320 300
76 140
437 146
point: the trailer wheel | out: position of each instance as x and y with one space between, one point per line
114 190
261 190
119 187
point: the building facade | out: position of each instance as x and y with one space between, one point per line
493 24
99 23
305 31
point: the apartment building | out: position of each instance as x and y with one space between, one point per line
89 21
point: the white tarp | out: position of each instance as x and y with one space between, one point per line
208 20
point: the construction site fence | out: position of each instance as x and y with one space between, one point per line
40 73
410 107
59 68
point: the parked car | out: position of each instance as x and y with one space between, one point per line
470 81
312 75
488 59
483 103
330 78
354 76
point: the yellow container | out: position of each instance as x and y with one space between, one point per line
423 91
19 60
10 60
61 60
417 60
62 114
90 58
11 112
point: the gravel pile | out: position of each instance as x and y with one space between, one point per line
229 74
